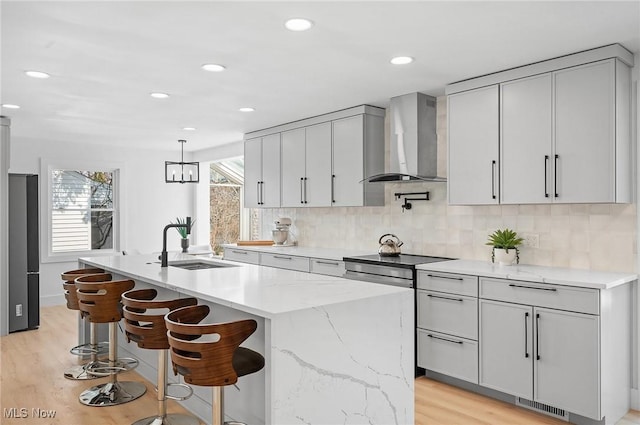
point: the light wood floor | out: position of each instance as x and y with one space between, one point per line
32 362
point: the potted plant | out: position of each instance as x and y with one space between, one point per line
505 247
184 242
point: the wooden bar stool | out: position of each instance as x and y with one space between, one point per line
144 324
210 354
92 348
99 298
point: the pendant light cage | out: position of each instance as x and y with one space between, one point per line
181 172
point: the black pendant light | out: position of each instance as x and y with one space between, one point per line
181 172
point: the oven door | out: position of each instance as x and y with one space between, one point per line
374 278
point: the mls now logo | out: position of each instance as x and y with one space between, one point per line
15 412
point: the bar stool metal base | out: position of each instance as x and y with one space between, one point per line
79 373
112 393
171 419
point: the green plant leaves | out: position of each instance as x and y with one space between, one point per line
504 239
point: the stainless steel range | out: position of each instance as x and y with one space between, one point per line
398 270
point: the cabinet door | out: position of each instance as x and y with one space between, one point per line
348 162
293 167
473 146
271 170
585 133
252 172
525 150
567 361
506 348
318 166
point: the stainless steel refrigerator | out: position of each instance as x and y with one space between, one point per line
24 260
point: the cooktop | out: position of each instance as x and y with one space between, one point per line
402 260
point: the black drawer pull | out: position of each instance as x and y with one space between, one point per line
445 298
279 257
239 252
445 277
532 287
328 263
526 333
444 339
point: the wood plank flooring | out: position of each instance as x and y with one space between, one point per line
32 363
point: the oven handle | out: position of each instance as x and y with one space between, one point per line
384 280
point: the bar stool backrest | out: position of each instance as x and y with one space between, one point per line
210 362
100 299
69 285
143 326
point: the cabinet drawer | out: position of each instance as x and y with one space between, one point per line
241 256
328 267
456 357
447 282
582 300
447 313
283 261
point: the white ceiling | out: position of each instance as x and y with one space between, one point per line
106 57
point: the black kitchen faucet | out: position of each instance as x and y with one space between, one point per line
164 255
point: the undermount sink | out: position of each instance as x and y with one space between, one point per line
197 265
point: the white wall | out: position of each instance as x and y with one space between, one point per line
4 226
148 202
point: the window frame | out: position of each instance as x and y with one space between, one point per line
47 166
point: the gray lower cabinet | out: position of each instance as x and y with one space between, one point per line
328 267
545 355
242 255
447 324
283 261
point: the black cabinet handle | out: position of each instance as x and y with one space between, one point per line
537 336
258 191
445 298
493 179
555 175
239 252
526 335
445 277
513 285
328 263
444 339
546 170
305 190
333 193
301 190
280 257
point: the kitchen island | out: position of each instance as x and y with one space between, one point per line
336 351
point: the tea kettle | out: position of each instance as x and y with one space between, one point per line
389 248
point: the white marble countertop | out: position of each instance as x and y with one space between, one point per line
335 254
263 291
540 274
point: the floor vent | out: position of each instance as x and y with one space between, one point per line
543 408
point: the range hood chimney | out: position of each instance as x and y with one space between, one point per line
413 141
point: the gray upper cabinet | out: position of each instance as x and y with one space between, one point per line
473 146
526 164
306 161
564 134
262 171
323 160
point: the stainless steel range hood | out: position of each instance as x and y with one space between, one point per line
413 141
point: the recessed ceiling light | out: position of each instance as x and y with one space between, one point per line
158 95
212 67
189 128
10 106
37 74
298 24
401 60
246 109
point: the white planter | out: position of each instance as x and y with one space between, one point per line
504 258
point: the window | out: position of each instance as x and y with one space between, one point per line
82 215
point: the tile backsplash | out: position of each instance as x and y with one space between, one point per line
585 236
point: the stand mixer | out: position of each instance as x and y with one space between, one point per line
282 233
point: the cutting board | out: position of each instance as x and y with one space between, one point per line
257 243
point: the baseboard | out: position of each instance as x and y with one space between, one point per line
635 399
